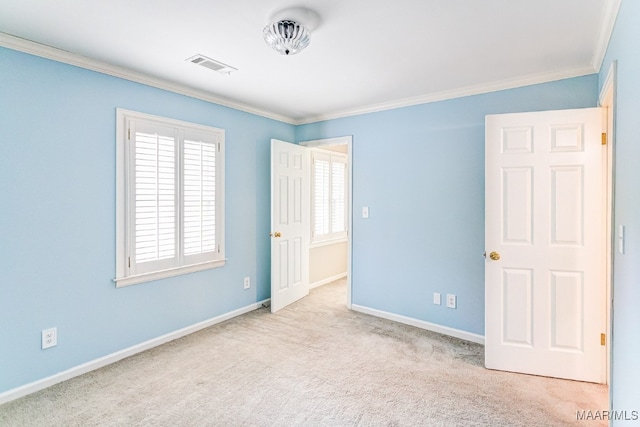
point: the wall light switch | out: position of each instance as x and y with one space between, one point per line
436 298
621 239
365 212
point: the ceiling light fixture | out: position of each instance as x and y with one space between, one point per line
290 30
286 36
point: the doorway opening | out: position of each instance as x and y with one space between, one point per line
330 259
597 304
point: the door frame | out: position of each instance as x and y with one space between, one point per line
607 100
348 141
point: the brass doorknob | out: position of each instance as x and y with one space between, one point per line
276 234
494 256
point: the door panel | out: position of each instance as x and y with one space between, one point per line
290 223
567 196
518 204
567 311
517 328
545 302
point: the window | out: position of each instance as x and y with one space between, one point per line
329 195
170 198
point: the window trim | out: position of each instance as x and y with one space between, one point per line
332 237
123 194
328 242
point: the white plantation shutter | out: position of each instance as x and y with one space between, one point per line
338 196
170 198
320 196
154 213
329 190
199 196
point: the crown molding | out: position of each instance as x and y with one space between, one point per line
611 9
59 55
455 93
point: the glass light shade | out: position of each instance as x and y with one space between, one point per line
286 36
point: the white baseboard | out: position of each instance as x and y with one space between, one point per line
92 365
327 280
445 330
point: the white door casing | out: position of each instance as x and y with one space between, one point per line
545 297
290 222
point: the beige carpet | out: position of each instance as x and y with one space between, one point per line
314 363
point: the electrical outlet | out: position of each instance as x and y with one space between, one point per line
451 301
247 282
436 298
49 338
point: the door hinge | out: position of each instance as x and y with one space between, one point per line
129 262
604 138
129 134
219 147
603 339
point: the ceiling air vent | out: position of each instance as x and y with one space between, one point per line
212 64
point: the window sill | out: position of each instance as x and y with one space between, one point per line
327 242
121 282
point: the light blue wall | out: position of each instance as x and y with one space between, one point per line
623 48
420 170
57 218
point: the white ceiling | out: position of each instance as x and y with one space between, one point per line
365 55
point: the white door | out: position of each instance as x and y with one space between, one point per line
545 291
290 222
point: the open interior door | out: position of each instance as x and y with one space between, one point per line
545 288
290 222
